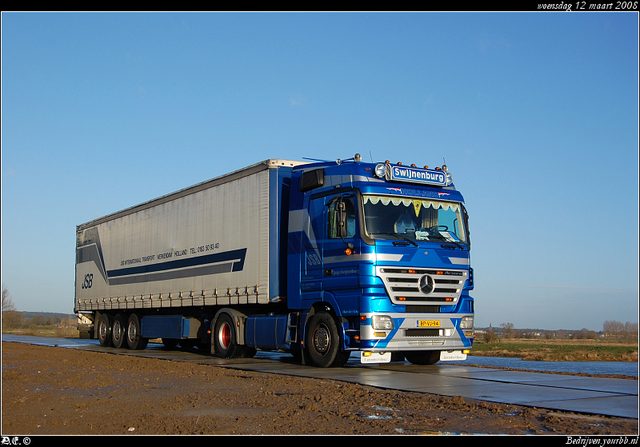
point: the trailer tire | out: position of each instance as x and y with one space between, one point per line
224 338
133 334
104 330
323 341
423 357
118 332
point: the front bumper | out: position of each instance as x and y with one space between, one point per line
417 332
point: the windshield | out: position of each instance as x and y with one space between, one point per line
413 219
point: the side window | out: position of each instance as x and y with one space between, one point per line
348 212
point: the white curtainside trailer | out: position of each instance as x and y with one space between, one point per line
216 243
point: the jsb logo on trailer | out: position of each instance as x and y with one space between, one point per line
88 281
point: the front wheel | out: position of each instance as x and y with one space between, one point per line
323 341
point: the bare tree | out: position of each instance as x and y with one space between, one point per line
508 330
10 316
630 331
7 302
616 329
612 328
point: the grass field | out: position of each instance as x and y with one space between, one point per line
559 350
45 331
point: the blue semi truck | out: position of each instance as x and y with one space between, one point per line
319 259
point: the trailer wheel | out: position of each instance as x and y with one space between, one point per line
224 338
423 357
323 341
134 334
118 331
104 330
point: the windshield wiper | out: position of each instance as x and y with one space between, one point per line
400 237
452 246
437 235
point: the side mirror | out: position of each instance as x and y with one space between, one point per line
341 208
341 224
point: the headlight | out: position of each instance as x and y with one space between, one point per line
380 170
466 323
449 179
382 322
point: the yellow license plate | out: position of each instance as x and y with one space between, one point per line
428 323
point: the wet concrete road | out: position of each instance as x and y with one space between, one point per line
609 397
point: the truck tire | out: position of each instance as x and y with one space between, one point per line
133 334
118 332
323 341
104 330
423 357
224 338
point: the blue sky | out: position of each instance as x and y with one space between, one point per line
536 115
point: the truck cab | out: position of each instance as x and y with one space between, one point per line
383 253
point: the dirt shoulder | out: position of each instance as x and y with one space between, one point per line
48 390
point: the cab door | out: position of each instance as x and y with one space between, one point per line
340 248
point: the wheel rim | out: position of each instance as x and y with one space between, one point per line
322 339
132 332
102 330
225 336
117 330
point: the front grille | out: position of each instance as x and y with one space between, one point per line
423 286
